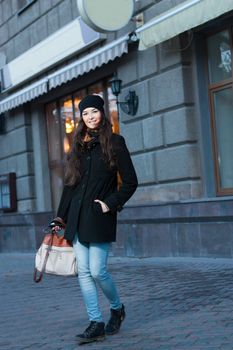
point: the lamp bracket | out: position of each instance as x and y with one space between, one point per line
130 105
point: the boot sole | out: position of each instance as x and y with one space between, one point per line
85 341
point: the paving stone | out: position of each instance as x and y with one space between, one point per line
171 303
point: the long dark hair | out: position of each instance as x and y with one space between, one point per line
73 164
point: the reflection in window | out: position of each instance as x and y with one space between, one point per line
67 122
113 112
53 127
97 88
223 105
225 58
219 56
77 98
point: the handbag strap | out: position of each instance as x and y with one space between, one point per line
41 273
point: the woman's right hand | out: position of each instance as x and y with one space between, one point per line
58 230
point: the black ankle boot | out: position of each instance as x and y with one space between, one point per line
114 323
94 332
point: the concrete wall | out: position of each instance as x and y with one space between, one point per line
24 150
163 135
17 156
197 229
22 232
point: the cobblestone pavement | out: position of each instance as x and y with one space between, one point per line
171 304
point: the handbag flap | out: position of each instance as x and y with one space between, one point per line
57 241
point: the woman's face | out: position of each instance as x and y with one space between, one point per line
91 117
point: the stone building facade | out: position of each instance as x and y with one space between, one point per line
183 205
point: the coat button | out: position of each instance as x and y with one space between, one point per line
83 185
88 158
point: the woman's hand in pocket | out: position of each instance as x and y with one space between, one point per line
104 206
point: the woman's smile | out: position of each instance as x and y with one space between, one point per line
92 117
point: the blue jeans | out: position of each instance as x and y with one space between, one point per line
92 271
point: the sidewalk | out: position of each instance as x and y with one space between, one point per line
171 304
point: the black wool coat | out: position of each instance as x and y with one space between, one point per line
77 207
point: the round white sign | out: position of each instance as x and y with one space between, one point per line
106 15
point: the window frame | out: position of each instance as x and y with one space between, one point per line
212 89
8 180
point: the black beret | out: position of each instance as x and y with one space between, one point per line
94 101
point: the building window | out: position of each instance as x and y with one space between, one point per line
8 200
219 48
62 118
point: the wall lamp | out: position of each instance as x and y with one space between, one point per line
130 105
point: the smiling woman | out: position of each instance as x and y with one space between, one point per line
88 209
63 117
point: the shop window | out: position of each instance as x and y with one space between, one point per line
67 122
78 96
113 112
219 48
62 119
55 150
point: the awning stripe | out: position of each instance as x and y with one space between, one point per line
27 94
89 62
180 18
